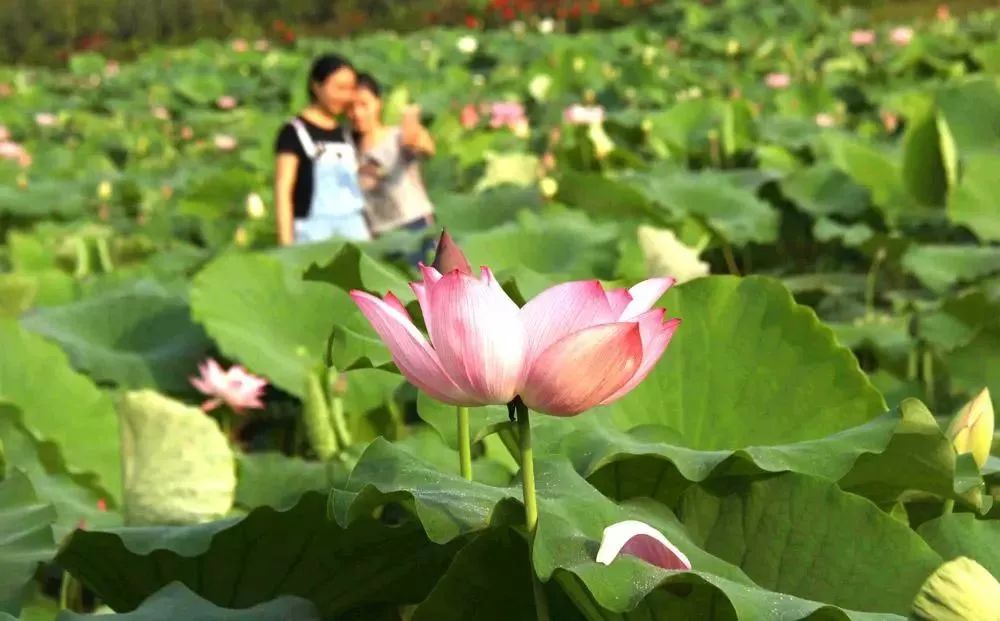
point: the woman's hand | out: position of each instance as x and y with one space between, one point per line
286 169
413 135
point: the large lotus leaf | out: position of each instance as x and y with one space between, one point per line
74 500
973 365
277 480
871 168
275 323
973 202
972 111
749 367
519 169
178 466
353 269
604 198
135 337
801 535
294 552
25 537
176 601
958 320
925 168
823 190
59 405
735 213
961 534
572 516
940 267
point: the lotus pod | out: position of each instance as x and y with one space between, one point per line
960 590
178 467
316 415
971 431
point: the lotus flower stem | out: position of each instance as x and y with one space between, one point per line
69 593
530 500
928 372
727 254
464 442
339 423
949 506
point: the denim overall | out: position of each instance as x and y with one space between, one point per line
337 208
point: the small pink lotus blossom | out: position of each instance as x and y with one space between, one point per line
942 13
46 119
825 119
112 68
187 133
6 90
641 540
239 45
261 45
13 151
4 133
890 121
469 117
861 38
778 80
102 504
901 35
226 102
237 388
161 113
224 142
583 115
507 114
572 347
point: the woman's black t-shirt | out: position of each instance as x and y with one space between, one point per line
288 142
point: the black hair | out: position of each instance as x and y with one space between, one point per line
322 68
368 82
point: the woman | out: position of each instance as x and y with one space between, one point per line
316 189
394 191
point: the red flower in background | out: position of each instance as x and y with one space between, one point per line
594 7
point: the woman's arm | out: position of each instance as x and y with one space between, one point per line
413 136
285 171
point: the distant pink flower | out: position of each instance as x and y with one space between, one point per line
226 102
583 115
641 540
46 119
942 13
778 80
15 152
824 119
237 388
261 45
469 117
224 142
6 90
4 133
507 114
240 45
102 504
890 121
860 38
901 35
187 133
112 68
161 113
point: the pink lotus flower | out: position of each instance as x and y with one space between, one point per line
261 45
161 113
469 117
639 539
6 90
112 68
236 387
890 121
901 35
224 142
583 115
4 133
861 38
942 13
16 152
778 80
239 45
46 119
507 114
572 347
226 102
825 119
187 134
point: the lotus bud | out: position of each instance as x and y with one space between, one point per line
255 206
959 590
449 257
971 431
548 187
240 237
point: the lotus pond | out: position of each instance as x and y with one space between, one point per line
816 442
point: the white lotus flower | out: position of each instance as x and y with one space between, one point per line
467 44
539 86
546 26
667 255
641 540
